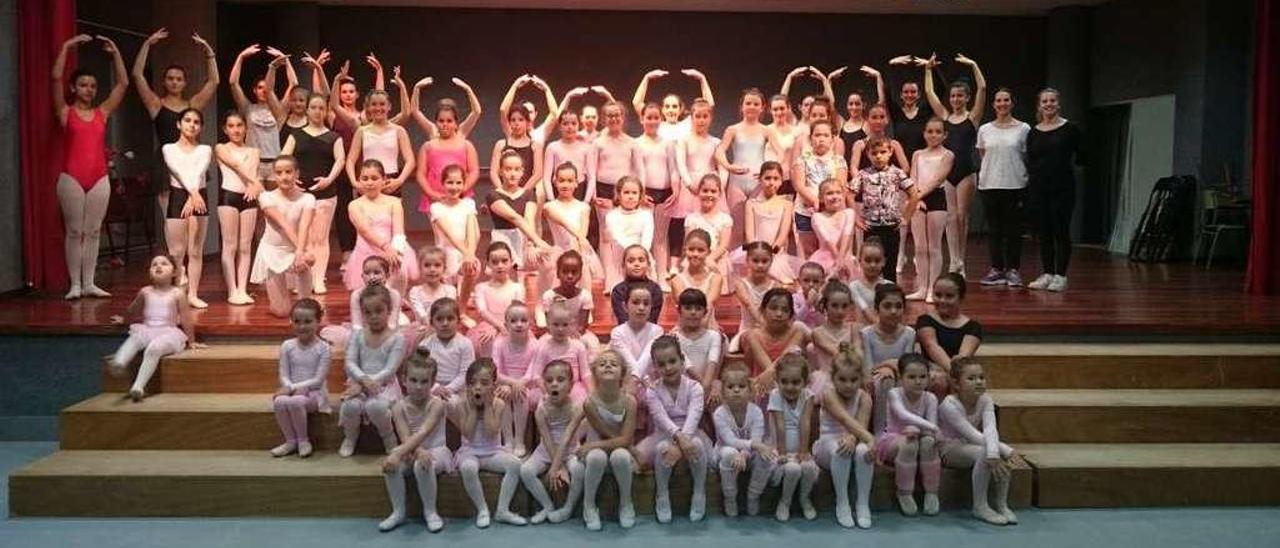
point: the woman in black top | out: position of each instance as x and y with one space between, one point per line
320 156
946 333
1052 146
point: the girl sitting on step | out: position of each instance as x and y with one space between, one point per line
419 419
969 439
163 305
373 358
304 365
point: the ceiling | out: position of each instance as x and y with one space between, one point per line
929 7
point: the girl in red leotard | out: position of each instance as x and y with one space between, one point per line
83 189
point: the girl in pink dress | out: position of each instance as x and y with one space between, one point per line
379 222
493 297
769 219
449 148
696 158
833 229
911 434
372 359
560 343
573 150
304 365
483 422
513 352
163 305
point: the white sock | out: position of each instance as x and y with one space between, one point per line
396 494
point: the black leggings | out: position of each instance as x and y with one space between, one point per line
1053 207
1004 220
889 240
346 231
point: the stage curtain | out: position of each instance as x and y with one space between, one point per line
1263 275
43 26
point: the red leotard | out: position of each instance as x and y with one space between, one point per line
85 148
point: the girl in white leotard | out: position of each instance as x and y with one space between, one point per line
419 420
748 139
610 413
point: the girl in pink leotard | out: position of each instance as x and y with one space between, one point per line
833 228
82 188
449 147
304 365
970 439
910 435
769 219
493 297
839 328
163 305
379 222
661 179
573 150
419 419
929 169
513 352
483 422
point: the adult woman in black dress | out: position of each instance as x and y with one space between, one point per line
1052 147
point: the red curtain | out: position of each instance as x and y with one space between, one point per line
1263 275
43 25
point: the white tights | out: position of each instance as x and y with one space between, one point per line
424 474
82 215
185 238
662 479
928 228
318 239
534 467
974 456
503 462
826 452
152 350
959 200
237 228
623 466
379 412
760 472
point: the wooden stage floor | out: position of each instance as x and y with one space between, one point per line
1108 297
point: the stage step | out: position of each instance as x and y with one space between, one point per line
245 368
1138 416
1131 474
250 483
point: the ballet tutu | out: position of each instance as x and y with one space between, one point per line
149 333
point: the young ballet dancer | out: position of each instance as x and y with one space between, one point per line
741 442
675 404
452 352
877 127
166 108
568 219
766 345
698 274
419 419
319 154
787 128
164 307
833 228
627 224
808 293
945 333
636 265
750 290
769 219
907 116
812 167
888 197
237 206
696 158
513 353
284 248
575 296
616 155
882 344
962 139
518 142
909 440
700 343
482 421
633 339
929 169
840 327
661 179
1051 159
1002 145
535 133
384 141
610 413
266 115
304 366
790 418
374 271
83 188
553 417
969 439
675 125
379 222
573 150
493 297
372 359
844 439
456 230
435 128
186 215
513 210
560 344
871 263
431 288
712 218
748 139
449 148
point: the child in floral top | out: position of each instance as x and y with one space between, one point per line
883 188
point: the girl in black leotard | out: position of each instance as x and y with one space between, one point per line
320 155
166 110
962 134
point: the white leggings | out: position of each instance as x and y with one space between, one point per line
378 410
623 466
826 452
82 215
534 466
503 462
318 239
185 238
152 348
760 472
967 455
424 475
237 229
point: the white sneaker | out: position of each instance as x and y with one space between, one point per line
1059 283
1042 282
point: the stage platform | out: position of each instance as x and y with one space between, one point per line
1109 297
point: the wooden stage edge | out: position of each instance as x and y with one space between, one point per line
1109 298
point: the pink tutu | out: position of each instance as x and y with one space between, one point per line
353 277
149 333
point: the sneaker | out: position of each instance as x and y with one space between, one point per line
1012 278
1042 282
1059 283
994 277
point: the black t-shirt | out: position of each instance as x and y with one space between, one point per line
950 338
909 131
1051 155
